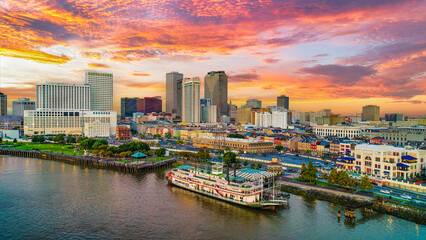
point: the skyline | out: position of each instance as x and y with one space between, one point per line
322 55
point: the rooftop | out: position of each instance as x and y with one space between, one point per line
232 139
379 147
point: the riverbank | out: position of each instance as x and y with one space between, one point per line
88 161
354 200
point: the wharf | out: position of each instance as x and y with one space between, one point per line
88 161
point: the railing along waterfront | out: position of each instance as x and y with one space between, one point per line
89 161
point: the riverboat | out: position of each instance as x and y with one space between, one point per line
247 191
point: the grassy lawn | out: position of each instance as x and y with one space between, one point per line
58 148
155 159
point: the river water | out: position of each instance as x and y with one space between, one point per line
41 199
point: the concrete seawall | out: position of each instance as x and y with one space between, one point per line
87 161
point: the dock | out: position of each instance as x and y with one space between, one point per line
89 161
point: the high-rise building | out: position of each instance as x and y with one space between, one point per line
205 104
283 101
254 103
101 90
174 92
232 112
21 105
370 113
128 107
394 117
3 104
327 112
66 109
149 105
62 96
216 88
191 99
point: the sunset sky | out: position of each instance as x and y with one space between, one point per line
321 53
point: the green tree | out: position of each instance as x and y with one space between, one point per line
332 177
200 154
259 165
342 178
207 154
168 135
352 183
235 135
230 158
253 165
1 139
366 183
279 148
309 174
324 175
71 139
15 141
161 152
60 138
245 163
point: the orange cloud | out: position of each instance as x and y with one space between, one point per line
98 65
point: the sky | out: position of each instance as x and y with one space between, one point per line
334 54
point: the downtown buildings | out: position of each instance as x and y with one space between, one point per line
21 105
146 105
68 108
174 92
191 100
283 101
216 89
3 104
371 113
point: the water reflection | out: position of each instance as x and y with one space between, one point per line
57 200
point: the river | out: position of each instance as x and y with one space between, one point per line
41 199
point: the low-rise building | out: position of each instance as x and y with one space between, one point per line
242 145
384 161
341 131
46 122
123 132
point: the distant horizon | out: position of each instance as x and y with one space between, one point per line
330 54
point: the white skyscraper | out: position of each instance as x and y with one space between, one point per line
191 99
67 109
279 119
61 96
276 119
101 90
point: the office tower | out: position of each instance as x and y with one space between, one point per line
370 113
327 112
128 107
174 92
149 105
205 104
22 104
283 101
216 88
101 90
254 103
66 109
3 104
394 117
191 99
232 112
61 96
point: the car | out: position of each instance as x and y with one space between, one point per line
406 197
385 191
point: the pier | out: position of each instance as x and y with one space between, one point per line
88 161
